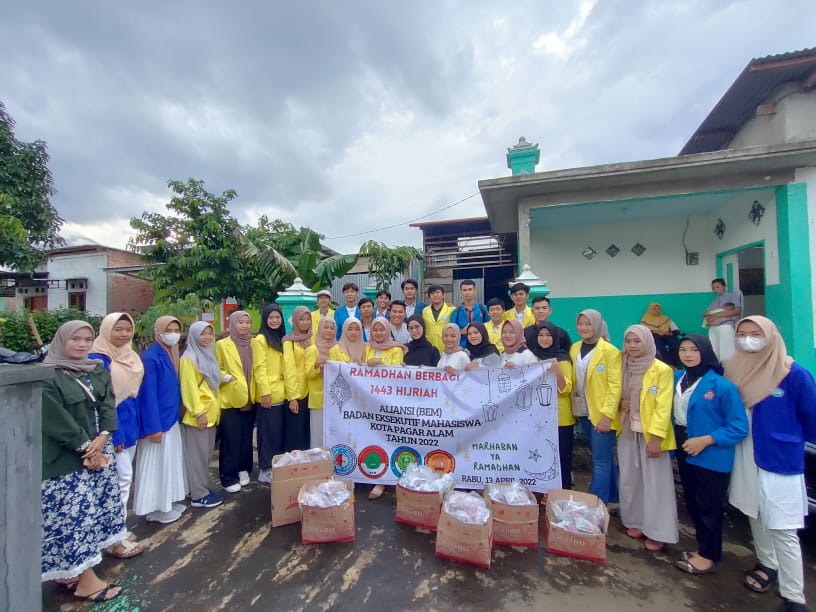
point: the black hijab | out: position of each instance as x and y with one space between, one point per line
708 360
420 351
273 336
485 347
556 351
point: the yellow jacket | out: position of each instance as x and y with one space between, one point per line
494 336
267 371
656 404
315 374
529 319
316 319
197 396
294 370
565 418
603 384
236 393
433 327
392 356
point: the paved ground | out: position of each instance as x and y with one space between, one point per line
229 558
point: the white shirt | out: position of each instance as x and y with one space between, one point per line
457 360
519 359
681 401
401 334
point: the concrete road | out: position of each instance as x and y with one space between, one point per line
230 558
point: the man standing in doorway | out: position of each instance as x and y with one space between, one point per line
720 318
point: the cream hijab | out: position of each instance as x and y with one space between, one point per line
126 369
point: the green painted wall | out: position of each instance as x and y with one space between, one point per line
621 311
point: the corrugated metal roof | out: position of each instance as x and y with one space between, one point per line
761 77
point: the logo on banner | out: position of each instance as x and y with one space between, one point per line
345 460
373 461
401 457
441 462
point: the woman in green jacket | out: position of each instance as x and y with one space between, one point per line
81 507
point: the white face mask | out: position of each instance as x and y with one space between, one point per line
751 344
170 339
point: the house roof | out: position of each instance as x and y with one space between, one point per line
473 224
760 78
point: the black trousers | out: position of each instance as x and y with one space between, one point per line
297 434
566 435
706 492
270 432
235 450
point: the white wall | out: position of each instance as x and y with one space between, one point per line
792 121
81 265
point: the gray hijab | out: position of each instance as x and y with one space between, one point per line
203 358
58 357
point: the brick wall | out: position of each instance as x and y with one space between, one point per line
127 294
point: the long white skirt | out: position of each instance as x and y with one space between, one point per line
160 478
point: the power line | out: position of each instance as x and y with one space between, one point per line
430 214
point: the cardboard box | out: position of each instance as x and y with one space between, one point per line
418 508
462 542
514 525
286 483
334 524
578 545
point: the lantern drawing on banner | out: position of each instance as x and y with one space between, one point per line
340 390
544 391
489 408
524 394
504 382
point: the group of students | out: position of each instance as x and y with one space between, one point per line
635 411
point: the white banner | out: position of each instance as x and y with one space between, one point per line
485 425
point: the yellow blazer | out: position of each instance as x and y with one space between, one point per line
494 337
267 371
316 319
294 370
314 374
197 396
565 418
239 392
392 356
603 384
656 404
433 327
529 319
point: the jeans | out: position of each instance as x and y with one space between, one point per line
604 471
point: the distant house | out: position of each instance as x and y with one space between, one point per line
738 202
91 278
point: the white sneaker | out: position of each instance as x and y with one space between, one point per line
243 478
163 517
233 488
265 476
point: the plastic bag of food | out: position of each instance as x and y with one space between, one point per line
467 508
577 517
325 494
302 456
422 478
512 493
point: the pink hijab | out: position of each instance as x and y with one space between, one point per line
388 342
323 345
304 339
635 367
509 349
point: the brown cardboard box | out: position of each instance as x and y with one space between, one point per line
418 508
578 545
334 524
286 483
459 541
514 525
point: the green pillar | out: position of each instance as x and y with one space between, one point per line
523 157
792 305
296 295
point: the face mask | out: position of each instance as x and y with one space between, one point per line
750 344
170 339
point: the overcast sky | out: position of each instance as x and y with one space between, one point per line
352 116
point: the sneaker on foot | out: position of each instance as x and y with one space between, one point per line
179 507
265 476
158 516
243 478
211 500
233 488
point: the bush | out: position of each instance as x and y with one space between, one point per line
15 333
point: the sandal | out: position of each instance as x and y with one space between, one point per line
376 492
686 566
763 576
68 583
101 594
653 546
125 549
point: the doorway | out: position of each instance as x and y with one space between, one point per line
744 269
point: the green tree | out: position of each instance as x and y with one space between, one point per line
385 262
29 223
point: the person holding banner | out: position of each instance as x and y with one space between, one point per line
515 352
648 506
350 348
420 351
296 419
316 355
381 349
483 353
548 349
454 359
596 397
